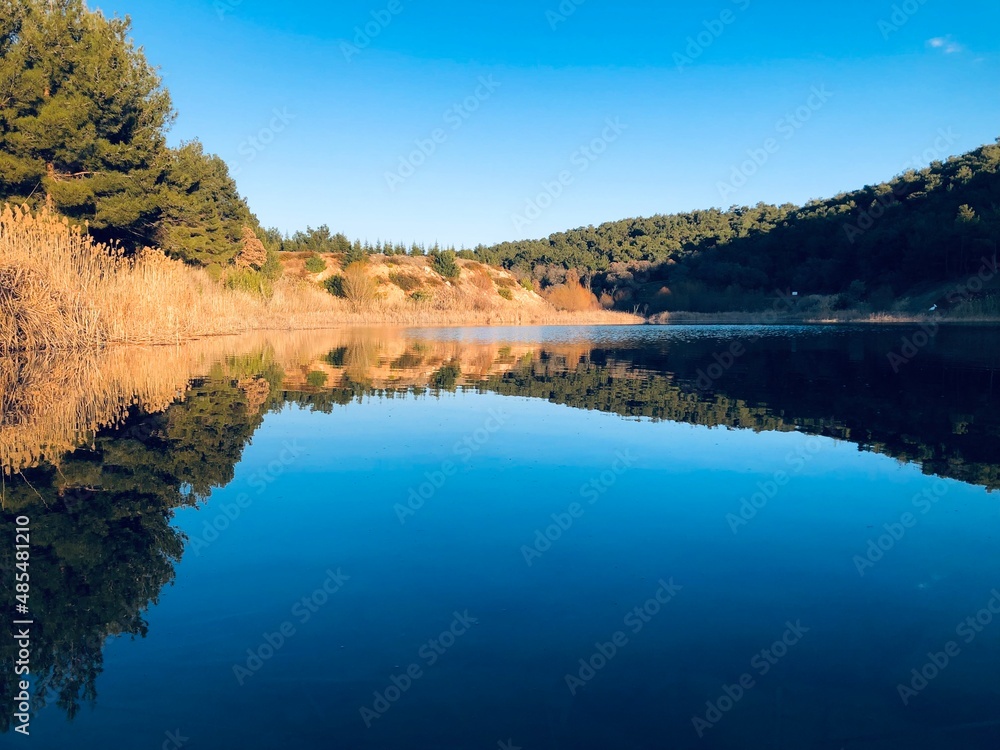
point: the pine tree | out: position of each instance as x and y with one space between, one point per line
356 254
82 118
966 216
203 215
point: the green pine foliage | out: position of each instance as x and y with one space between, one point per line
319 240
335 286
315 264
83 121
82 118
203 215
444 263
356 253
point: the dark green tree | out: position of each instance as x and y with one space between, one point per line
203 214
444 263
82 118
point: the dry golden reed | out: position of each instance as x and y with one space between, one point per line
61 290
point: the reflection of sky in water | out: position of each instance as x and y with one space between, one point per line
664 518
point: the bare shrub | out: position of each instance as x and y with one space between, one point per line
360 289
572 296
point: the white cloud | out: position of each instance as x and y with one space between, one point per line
946 44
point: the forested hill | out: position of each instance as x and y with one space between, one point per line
873 245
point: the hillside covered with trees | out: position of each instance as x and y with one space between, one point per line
873 245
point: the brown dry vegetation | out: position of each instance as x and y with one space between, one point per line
572 296
60 290
410 293
252 252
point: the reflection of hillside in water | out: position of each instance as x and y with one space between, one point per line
56 402
940 409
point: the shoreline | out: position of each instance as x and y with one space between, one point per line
748 319
561 320
569 320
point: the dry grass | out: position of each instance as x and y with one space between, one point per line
453 305
481 279
471 299
60 290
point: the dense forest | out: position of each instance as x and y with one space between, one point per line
921 229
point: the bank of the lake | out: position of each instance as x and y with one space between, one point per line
61 290
845 318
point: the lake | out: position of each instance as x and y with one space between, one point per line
704 537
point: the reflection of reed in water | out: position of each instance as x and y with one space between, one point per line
52 404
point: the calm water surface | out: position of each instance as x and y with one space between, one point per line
532 538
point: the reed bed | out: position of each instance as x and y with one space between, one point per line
61 290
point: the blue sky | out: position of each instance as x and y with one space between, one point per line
465 122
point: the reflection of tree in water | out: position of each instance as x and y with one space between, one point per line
102 546
99 558
941 410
